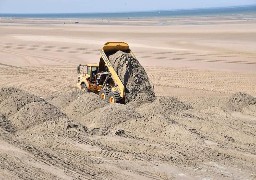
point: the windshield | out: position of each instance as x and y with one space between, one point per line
94 68
88 70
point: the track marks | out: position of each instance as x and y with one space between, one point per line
166 55
162 57
48 48
146 56
177 59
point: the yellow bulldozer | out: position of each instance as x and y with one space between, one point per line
101 78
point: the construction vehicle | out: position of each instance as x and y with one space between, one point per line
102 78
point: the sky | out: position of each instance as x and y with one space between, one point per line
91 6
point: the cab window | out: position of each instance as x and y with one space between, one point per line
88 70
94 68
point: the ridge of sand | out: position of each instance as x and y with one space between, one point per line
85 142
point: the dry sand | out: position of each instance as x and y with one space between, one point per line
133 76
201 125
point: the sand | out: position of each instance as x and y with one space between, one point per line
133 77
201 124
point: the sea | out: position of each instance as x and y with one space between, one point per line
149 14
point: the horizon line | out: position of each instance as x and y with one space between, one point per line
124 12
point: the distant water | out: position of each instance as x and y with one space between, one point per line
173 13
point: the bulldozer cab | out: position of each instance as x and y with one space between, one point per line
89 70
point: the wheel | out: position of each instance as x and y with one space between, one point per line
84 87
114 97
104 94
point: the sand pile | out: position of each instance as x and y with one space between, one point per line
83 105
47 135
103 119
180 143
30 112
6 92
63 99
133 76
35 113
32 117
164 106
85 132
12 100
240 100
6 124
50 133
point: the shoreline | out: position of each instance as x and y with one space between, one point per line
233 10
158 22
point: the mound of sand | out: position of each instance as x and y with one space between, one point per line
50 133
14 99
164 106
35 113
133 76
83 131
103 119
63 99
240 100
6 124
6 92
83 105
21 111
34 120
158 129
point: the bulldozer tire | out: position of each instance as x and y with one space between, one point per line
104 94
114 97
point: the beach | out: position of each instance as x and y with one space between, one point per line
206 66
